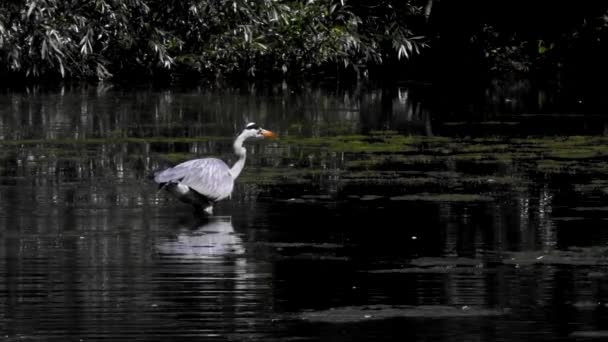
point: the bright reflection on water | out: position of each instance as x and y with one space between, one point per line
468 218
213 239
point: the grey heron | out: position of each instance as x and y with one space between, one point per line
204 182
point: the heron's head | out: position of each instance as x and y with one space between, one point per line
252 130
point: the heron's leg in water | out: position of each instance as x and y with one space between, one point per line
209 210
202 209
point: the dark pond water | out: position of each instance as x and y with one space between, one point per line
378 215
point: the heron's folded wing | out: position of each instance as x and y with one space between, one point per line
176 173
209 177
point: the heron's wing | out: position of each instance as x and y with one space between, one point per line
176 173
209 177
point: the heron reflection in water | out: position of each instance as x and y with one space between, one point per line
211 238
204 280
204 182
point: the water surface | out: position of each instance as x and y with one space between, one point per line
378 215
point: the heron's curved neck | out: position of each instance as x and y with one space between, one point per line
241 152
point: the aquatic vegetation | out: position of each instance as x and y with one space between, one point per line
392 165
485 147
590 334
370 197
380 179
568 218
596 185
432 270
493 180
583 256
282 175
440 265
596 255
176 157
555 166
604 209
108 140
312 245
352 314
476 157
570 152
393 161
443 197
447 261
356 143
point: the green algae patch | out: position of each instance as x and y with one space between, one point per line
280 175
107 140
428 197
577 256
381 132
356 143
388 148
391 161
439 265
578 153
567 148
432 270
598 209
379 158
555 166
320 245
596 185
177 157
447 261
590 334
355 314
370 197
568 218
485 147
385 180
472 157
492 180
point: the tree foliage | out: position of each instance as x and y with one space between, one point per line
213 38
528 37
284 38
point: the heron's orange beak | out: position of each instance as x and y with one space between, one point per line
268 134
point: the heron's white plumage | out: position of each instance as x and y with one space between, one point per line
210 177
